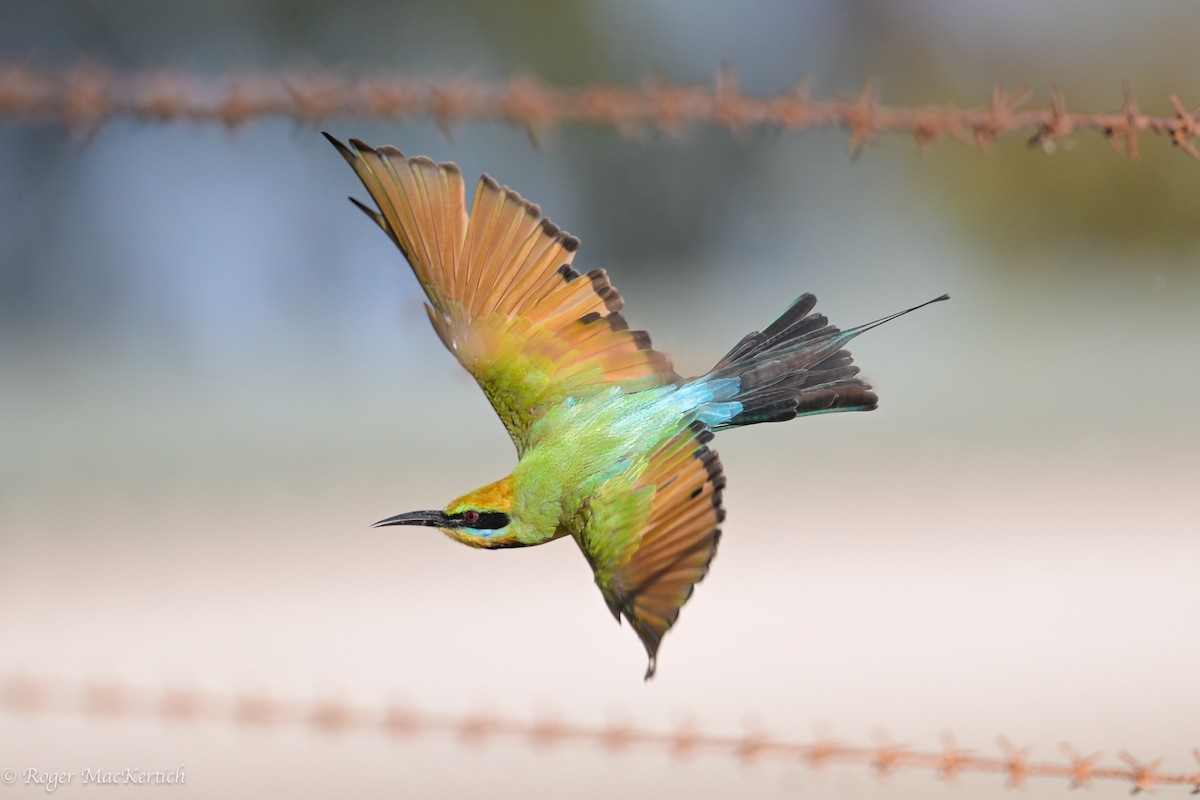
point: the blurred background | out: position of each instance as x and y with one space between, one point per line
215 374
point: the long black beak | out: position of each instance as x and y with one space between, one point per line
435 519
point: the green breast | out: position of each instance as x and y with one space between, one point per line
582 445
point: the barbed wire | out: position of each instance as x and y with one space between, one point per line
24 695
87 96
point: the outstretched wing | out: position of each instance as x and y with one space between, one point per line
502 294
650 539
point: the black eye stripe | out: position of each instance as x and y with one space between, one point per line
491 520
485 521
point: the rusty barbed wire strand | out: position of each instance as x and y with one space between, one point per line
87 96
25 695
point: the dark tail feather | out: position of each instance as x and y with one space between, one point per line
797 367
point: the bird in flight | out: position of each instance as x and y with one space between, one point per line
612 443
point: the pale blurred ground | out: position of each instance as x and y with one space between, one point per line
216 375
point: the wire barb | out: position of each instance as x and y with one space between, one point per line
1082 767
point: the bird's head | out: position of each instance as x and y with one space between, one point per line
481 518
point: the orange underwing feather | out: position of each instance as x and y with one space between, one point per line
502 294
647 562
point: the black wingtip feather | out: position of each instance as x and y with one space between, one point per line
370 212
651 667
346 153
617 322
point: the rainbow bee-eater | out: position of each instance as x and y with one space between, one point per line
612 443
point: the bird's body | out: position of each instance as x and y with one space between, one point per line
586 445
612 442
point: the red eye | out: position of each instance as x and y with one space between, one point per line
471 516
